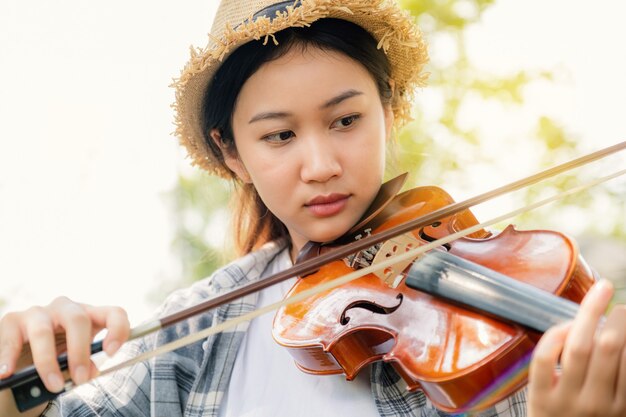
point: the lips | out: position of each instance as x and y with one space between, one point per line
328 205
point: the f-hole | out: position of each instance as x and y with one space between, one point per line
368 305
429 238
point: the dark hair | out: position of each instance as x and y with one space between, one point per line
253 223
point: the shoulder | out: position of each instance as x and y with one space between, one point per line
245 269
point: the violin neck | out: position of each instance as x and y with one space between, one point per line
448 276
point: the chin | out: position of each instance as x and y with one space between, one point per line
327 236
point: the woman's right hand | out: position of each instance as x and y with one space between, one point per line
39 327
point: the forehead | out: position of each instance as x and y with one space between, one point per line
303 77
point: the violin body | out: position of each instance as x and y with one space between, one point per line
462 360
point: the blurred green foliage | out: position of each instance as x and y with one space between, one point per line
199 204
425 145
436 148
456 82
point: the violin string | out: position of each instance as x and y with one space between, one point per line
409 255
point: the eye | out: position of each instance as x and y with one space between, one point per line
346 121
278 137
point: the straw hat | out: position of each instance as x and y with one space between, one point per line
240 21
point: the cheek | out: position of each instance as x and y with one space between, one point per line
271 175
371 154
269 170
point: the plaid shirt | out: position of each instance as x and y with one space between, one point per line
192 380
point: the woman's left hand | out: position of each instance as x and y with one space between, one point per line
592 376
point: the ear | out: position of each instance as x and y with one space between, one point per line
231 157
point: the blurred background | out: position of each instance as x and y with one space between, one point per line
99 203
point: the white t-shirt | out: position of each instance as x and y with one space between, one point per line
266 382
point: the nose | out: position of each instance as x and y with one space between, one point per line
321 159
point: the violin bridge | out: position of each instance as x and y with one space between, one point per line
363 258
393 275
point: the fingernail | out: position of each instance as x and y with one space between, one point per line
4 368
112 347
603 286
80 375
606 284
55 383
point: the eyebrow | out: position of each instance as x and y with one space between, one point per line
330 103
341 97
269 115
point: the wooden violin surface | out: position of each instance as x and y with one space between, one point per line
462 359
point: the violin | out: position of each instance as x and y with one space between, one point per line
461 359
378 309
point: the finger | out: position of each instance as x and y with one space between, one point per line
39 329
77 324
11 344
115 320
93 370
604 366
620 391
579 342
545 359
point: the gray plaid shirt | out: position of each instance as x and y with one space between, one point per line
191 381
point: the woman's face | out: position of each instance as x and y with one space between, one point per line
310 133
